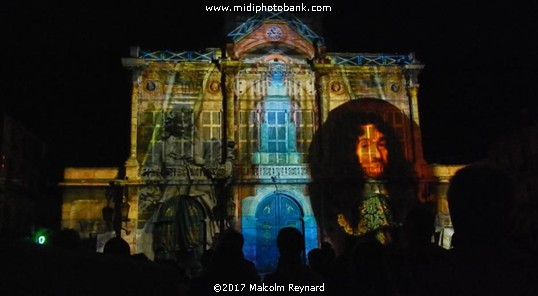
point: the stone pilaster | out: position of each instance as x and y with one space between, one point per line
411 76
413 97
322 89
229 69
131 165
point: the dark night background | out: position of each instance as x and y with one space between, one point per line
61 72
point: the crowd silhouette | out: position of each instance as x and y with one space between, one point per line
491 255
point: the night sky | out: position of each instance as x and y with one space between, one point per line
61 72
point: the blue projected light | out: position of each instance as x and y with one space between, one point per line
277 86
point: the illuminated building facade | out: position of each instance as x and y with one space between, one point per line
222 139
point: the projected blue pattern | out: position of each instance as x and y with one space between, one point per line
180 56
372 59
254 22
273 213
277 74
277 87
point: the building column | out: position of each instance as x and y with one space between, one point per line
229 71
411 76
322 72
135 65
132 165
324 97
413 97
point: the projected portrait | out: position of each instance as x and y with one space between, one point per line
362 182
371 151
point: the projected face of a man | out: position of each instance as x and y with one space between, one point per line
371 151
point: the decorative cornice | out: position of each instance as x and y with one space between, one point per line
182 56
368 59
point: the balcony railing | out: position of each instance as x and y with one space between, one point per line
180 56
272 172
365 59
254 173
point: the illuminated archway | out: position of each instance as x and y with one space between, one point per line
253 221
272 214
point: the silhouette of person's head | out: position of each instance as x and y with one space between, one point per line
328 252
480 199
117 246
315 258
227 263
290 243
231 242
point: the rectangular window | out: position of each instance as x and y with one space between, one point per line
212 135
149 131
248 135
396 120
149 126
182 130
305 130
277 131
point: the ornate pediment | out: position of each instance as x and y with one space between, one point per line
273 31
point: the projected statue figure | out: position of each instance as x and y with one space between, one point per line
362 183
180 195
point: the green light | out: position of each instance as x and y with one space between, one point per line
41 239
41 236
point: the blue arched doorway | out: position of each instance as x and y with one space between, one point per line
273 213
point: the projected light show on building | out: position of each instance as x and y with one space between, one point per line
273 131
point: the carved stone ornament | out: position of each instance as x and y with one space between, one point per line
395 87
336 87
151 86
214 86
